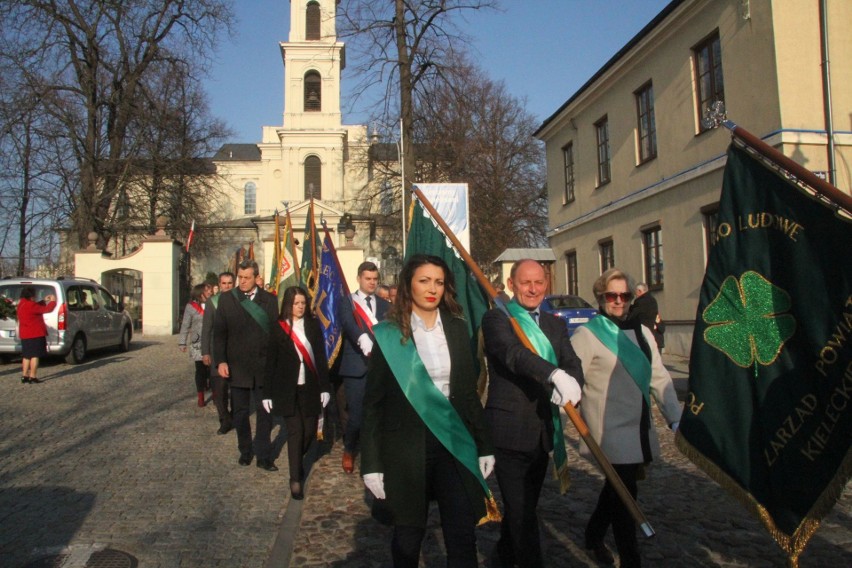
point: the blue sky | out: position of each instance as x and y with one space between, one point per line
544 50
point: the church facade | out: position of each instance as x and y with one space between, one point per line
311 155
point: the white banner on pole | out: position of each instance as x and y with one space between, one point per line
451 202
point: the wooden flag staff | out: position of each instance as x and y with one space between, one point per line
573 415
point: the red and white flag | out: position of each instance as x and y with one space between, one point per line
191 234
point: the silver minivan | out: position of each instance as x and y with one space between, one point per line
86 317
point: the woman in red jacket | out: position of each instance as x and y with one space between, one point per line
33 331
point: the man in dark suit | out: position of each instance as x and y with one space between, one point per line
522 388
244 318
645 310
358 318
221 390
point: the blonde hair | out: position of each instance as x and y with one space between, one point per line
600 285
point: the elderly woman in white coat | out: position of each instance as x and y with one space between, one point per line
623 370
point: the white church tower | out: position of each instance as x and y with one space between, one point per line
311 154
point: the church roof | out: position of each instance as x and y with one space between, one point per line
237 153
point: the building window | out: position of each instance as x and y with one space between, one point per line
710 214
647 129
250 207
708 75
571 273
568 157
602 133
313 178
312 21
652 240
607 254
313 92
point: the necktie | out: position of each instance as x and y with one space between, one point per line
535 316
369 300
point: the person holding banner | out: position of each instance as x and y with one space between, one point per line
297 385
358 318
623 369
524 391
424 434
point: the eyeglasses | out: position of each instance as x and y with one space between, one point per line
611 297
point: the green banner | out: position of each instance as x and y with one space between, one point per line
768 413
424 237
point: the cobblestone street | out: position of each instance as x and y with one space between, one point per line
115 454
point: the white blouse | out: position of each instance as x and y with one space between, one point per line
432 347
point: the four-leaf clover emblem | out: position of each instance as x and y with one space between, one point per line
747 320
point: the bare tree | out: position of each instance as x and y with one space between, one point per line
91 61
402 45
476 132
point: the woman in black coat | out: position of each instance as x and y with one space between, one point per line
296 385
424 435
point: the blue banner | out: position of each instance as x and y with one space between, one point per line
331 293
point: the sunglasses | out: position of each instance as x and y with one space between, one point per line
613 296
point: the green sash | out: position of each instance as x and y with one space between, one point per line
257 313
627 352
544 349
430 404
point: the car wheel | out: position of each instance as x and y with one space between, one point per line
124 346
5 359
78 351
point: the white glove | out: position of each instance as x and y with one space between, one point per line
675 425
486 465
325 398
267 405
375 482
366 344
565 389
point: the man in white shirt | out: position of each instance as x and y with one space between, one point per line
358 317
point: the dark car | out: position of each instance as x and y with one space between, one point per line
573 310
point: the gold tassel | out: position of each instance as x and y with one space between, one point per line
492 512
564 476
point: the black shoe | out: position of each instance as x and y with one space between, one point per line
224 429
296 491
268 465
601 553
33 381
25 380
246 460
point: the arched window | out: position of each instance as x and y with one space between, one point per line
312 21
250 207
313 92
313 178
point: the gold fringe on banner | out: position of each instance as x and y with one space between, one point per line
492 512
792 545
564 477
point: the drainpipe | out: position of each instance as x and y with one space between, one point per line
826 89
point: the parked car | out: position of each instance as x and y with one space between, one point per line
86 317
573 310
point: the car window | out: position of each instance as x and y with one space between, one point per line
571 302
107 300
89 297
13 291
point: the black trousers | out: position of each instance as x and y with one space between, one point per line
241 401
301 431
221 394
202 376
520 476
458 520
611 511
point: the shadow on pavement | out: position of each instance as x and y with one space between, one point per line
23 517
